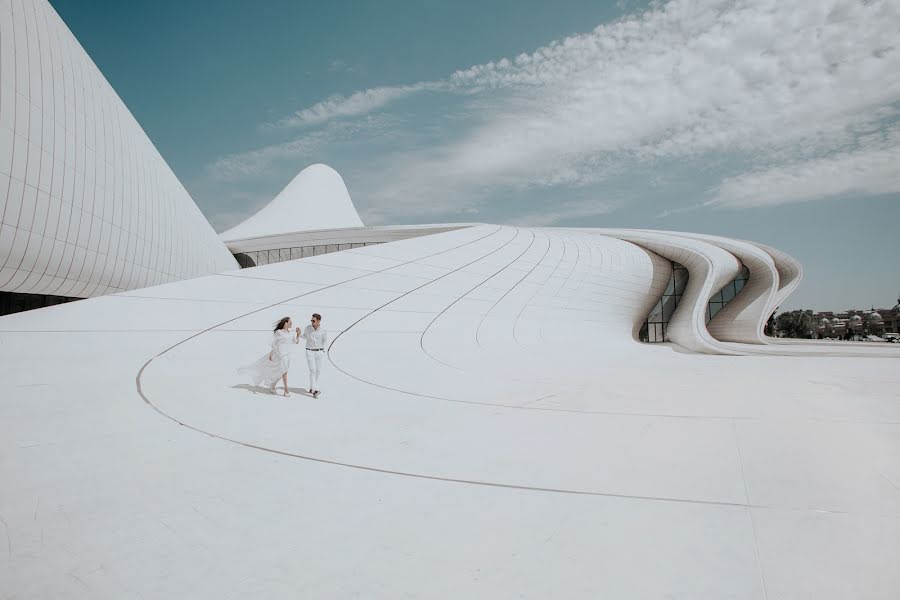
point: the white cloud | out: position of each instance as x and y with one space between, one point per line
870 171
247 164
253 163
689 78
356 104
338 65
766 81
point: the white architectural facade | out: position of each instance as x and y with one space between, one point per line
489 427
490 424
88 206
315 199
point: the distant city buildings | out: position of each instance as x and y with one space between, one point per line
874 321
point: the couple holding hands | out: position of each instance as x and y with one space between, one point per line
274 365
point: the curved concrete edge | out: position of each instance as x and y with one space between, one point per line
662 273
790 272
737 329
709 269
744 318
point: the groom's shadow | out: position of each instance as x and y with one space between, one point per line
260 389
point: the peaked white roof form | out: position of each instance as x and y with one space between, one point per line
315 199
87 205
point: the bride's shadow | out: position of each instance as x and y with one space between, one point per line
279 391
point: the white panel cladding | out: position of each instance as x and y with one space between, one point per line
742 319
790 272
709 267
714 261
87 205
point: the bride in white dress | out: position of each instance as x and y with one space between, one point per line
274 365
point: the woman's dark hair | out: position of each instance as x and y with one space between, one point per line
280 324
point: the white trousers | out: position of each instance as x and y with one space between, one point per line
314 362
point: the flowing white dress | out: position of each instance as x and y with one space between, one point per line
268 372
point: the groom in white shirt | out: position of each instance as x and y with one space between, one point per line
316 339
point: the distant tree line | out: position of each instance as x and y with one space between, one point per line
793 324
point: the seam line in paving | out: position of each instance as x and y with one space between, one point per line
461 297
404 294
138 383
759 566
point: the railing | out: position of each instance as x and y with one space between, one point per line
257 258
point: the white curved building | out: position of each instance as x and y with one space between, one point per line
315 199
494 422
88 206
489 421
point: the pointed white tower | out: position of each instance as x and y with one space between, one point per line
315 199
87 205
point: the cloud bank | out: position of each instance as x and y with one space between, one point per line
870 171
799 94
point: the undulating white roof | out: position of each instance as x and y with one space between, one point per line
490 425
488 428
315 199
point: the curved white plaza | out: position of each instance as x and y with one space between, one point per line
489 427
506 412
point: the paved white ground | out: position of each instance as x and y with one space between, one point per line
488 429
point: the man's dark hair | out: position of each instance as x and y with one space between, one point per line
317 316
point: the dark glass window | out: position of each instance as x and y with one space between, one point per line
265 257
654 329
727 293
656 325
669 305
245 260
14 302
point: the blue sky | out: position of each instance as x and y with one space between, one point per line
766 120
